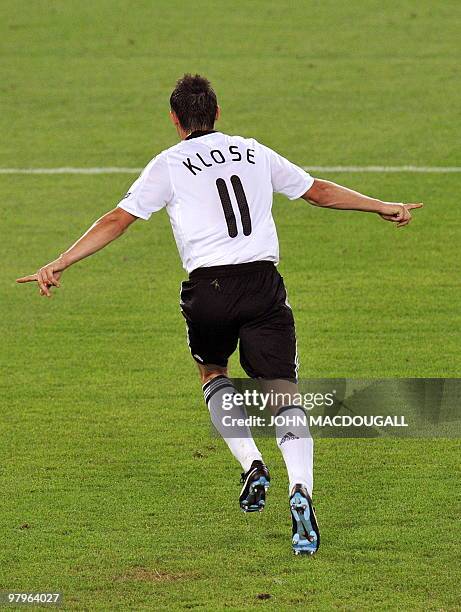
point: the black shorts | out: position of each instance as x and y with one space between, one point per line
247 302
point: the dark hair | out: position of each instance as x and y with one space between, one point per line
194 102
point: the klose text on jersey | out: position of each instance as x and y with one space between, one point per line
216 156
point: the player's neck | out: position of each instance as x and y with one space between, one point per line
185 134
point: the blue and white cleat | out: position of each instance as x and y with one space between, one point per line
306 534
255 484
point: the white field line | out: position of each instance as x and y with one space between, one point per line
109 170
422 169
122 170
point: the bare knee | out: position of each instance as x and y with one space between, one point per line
210 371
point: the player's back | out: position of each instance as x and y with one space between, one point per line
223 198
218 193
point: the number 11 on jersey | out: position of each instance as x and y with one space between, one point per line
227 205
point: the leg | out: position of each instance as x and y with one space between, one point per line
268 352
292 433
212 337
210 371
216 388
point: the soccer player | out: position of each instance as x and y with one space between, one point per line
217 190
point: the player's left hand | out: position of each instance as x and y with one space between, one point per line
399 213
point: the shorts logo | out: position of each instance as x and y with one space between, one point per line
127 195
198 357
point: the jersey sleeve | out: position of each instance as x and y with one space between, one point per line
151 191
287 178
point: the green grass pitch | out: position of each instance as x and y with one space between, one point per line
102 426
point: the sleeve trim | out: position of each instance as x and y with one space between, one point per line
309 183
130 210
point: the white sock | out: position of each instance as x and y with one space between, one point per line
297 446
238 437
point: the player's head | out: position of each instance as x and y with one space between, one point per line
193 105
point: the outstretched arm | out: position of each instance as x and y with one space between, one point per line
330 195
104 230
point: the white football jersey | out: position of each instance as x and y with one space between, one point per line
217 190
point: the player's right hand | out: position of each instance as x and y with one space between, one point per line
399 213
47 277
